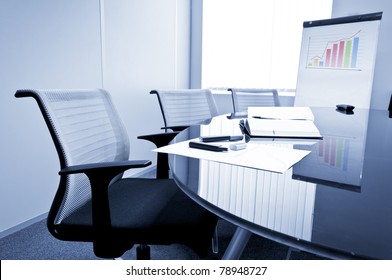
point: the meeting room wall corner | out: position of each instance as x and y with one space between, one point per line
125 46
382 84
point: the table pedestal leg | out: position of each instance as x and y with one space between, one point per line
237 244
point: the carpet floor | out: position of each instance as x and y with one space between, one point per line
36 243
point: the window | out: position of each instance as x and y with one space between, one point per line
255 43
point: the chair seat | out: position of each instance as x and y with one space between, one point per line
168 216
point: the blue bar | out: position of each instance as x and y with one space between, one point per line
355 52
321 63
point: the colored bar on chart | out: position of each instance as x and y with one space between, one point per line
340 55
333 152
334 54
347 54
345 154
315 62
355 53
321 149
328 58
327 150
339 153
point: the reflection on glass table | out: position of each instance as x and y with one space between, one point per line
335 202
337 160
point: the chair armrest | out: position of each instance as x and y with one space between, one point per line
159 139
100 176
115 166
176 128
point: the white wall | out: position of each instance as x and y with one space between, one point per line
146 48
44 44
382 85
143 44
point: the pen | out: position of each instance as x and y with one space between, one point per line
267 118
220 138
208 147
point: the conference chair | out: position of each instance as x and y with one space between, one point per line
93 203
246 97
180 108
184 107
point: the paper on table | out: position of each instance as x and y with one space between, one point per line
256 155
282 113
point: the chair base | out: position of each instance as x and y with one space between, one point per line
143 252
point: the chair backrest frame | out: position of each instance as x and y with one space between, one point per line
243 98
185 107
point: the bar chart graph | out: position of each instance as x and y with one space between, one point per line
339 51
336 161
334 151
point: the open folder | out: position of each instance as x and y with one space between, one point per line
281 122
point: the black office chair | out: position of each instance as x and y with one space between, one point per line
180 108
248 97
93 202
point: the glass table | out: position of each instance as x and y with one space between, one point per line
336 202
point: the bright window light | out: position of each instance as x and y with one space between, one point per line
255 43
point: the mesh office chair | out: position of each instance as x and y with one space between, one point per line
93 203
180 108
244 98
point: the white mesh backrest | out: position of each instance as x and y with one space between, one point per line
186 107
88 130
244 98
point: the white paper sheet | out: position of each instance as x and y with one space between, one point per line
256 155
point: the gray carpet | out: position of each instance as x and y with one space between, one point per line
36 243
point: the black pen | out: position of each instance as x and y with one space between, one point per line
208 147
267 118
220 138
